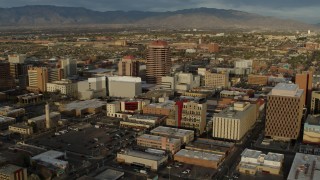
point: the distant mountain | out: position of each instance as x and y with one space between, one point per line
201 18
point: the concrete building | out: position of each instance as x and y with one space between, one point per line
216 80
140 121
304 81
65 87
243 64
113 108
41 121
55 74
19 72
21 129
165 108
79 108
140 158
234 122
311 130
158 61
305 166
199 158
128 66
284 112
38 79
69 66
184 135
30 98
92 88
211 146
6 81
108 174
13 172
315 102
124 86
258 80
180 82
11 112
17 58
172 145
53 160
5 122
253 161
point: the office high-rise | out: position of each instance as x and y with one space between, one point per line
304 81
128 66
158 61
6 81
284 112
69 66
38 79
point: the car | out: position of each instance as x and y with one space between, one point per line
169 166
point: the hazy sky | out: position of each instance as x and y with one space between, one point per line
304 10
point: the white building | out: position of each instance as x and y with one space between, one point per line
124 86
113 108
69 66
65 87
243 64
51 158
17 58
180 82
92 88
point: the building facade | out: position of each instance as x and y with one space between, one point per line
315 102
311 130
216 80
304 81
172 145
6 81
38 79
13 172
258 80
69 66
65 87
128 66
124 86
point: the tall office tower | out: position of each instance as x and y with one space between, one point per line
69 66
55 74
304 81
6 81
128 66
284 112
19 70
315 102
158 61
191 114
38 79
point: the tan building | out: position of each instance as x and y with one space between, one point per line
11 112
305 166
30 98
311 130
158 142
166 108
184 135
258 80
78 108
65 87
284 112
21 129
234 122
315 102
113 108
158 61
38 79
140 121
17 58
216 80
55 74
128 67
199 158
304 81
141 158
213 47
253 161
212 146
13 172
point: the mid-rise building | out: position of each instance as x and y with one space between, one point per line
284 112
158 61
17 58
30 98
6 81
13 172
180 82
216 80
128 66
253 161
19 72
5 122
184 135
92 88
41 121
305 166
65 87
38 79
140 121
69 66
55 74
258 80
165 108
172 145
311 130
315 102
243 64
304 81
124 86
234 122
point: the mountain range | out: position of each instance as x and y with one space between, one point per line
201 18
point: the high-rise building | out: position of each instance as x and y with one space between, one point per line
38 79
158 61
19 72
304 81
128 66
55 74
69 66
315 102
6 81
284 112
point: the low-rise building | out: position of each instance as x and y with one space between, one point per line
165 108
30 98
78 108
211 146
140 158
305 166
140 121
253 161
216 80
65 87
258 80
231 94
11 112
5 122
13 172
199 158
21 129
311 130
40 121
113 108
172 145
234 122
184 135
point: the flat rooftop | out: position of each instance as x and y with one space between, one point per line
300 164
313 120
51 157
21 125
199 155
75 105
146 116
251 153
158 138
285 89
29 96
124 79
5 119
144 155
230 112
165 105
42 117
171 131
109 174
